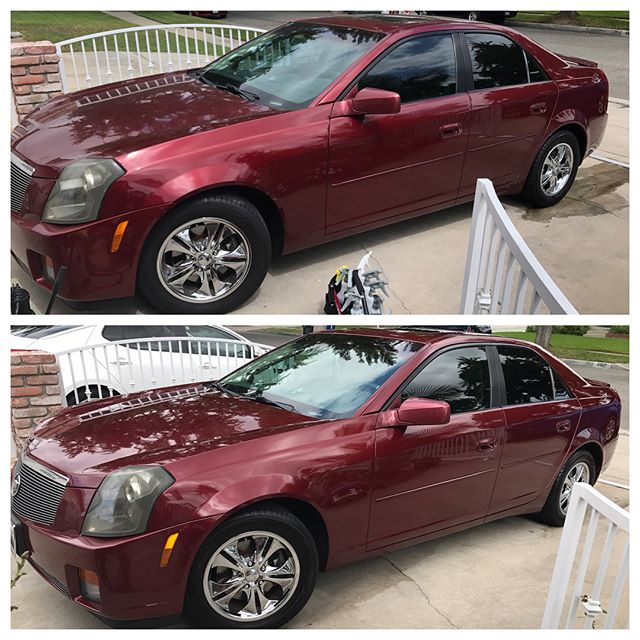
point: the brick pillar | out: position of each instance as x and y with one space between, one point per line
35 391
35 75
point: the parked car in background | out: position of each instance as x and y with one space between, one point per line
98 361
226 499
497 17
215 15
313 131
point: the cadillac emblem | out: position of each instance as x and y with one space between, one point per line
15 485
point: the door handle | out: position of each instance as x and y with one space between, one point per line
488 444
120 361
538 108
451 129
562 426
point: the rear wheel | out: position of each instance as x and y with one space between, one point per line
256 571
580 467
553 171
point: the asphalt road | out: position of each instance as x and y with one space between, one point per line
617 377
611 52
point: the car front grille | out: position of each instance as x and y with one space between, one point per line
21 174
36 491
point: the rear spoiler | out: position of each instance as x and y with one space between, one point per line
577 62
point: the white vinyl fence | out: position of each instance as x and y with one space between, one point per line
101 58
502 276
599 578
117 368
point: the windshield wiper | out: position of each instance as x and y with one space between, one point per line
273 403
225 86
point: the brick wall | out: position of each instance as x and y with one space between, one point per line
35 391
35 75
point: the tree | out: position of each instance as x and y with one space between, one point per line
543 335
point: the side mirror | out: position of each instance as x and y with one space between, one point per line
424 411
369 101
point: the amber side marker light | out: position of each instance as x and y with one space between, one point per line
118 235
168 548
89 585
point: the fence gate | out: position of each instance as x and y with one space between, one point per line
110 56
502 275
599 577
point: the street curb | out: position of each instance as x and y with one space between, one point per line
596 365
600 31
622 101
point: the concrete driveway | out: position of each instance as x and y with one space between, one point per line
492 576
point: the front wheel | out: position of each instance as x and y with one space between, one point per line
580 467
256 572
207 256
553 170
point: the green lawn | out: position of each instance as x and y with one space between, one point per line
62 25
605 19
581 347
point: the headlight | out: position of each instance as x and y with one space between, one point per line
78 192
122 504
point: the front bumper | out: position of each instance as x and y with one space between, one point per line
133 585
93 271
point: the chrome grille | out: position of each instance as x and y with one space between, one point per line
21 174
39 491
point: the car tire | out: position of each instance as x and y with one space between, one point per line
301 556
245 228
552 513
533 192
92 393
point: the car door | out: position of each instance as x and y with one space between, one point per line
512 101
429 478
381 166
541 420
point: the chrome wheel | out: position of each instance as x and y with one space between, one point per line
251 576
578 473
203 260
556 169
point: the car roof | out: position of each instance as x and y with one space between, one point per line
431 337
383 23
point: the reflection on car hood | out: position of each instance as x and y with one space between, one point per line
115 119
89 440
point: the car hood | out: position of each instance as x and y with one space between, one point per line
156 427
116 119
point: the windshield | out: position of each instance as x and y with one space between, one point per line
290 66
323 375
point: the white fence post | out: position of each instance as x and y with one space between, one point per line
501 272
583 496
141 55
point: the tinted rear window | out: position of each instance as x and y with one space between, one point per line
496 61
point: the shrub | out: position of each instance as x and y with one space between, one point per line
620 329
572 330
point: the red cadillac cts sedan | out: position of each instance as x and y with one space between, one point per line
225 499
182 185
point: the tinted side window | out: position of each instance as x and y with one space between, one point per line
527 376
560 391
417 69
459 377
536 72
496 61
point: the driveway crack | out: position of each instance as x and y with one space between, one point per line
423 592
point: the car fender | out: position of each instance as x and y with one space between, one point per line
239 495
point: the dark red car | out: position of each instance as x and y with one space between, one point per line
224 500
181 186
